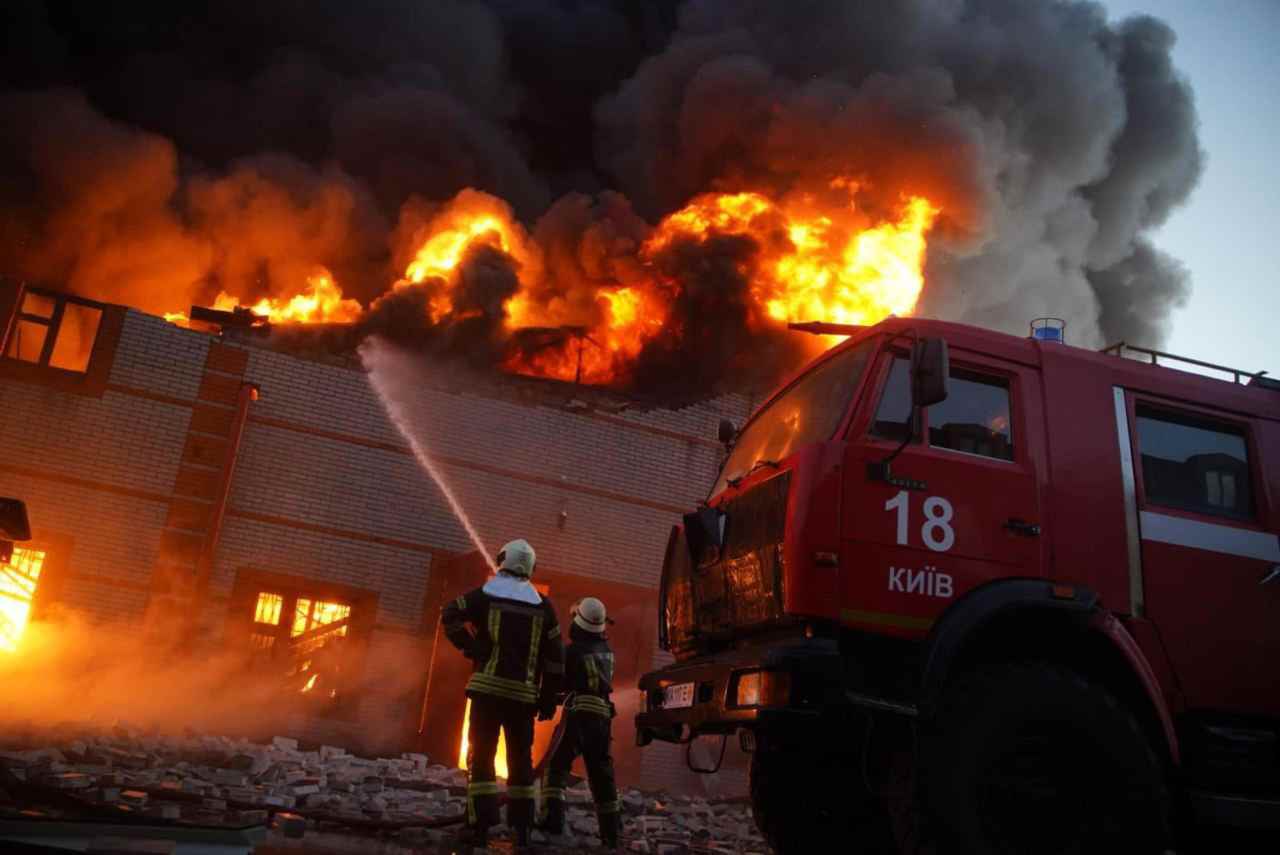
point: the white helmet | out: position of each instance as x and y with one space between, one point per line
589 614
517 558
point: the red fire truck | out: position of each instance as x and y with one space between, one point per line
960 591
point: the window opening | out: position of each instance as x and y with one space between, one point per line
19 577
309 645
55 330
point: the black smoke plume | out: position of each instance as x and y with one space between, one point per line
159 155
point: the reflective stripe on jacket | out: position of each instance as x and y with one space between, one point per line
589 676
516 648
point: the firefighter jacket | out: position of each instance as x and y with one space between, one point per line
589 675
516 648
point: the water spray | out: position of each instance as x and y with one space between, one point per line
370 356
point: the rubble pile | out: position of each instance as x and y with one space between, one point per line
656 825
216 781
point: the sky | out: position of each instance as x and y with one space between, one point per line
1228 233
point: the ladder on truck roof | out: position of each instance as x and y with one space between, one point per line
1253 378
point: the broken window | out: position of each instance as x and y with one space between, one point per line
18 579
55 330
308 647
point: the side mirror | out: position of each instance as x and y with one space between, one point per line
727 432
930 372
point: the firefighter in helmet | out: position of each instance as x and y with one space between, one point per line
510 633
588 724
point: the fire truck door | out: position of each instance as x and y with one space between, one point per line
962 506
1208 563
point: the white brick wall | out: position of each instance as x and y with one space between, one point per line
157 356
111 538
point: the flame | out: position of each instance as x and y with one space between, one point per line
500 761
310 683
815 256
832 266
321 303
820 259
471 219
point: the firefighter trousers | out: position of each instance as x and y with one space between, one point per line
588 734
515 720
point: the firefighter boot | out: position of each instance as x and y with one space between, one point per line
552 820
521 844
610 825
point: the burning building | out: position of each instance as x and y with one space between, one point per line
230 495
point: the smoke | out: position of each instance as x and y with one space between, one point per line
159 156
61 675
1051 139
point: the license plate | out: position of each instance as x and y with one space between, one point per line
678 696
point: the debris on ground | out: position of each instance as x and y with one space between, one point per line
123 774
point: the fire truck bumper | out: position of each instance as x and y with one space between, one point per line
748 688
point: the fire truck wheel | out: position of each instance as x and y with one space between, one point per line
1033 757
811 801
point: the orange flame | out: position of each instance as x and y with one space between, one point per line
816 256
471 219
833 266
321 303
817 261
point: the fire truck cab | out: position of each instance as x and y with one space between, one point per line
963 590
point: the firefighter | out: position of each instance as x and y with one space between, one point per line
588 724
514 643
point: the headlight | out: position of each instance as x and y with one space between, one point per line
761 689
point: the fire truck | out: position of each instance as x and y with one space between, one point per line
960 591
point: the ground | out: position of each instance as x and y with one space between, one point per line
337 802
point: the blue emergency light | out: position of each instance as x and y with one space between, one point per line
1049 329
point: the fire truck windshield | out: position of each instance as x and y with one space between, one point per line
808 411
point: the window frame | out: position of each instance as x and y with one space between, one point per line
965 362
1228 423
53 326
241 626
51 585
94 379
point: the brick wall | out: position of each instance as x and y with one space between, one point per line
326 487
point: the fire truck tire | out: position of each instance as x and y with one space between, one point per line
1033 757
806 802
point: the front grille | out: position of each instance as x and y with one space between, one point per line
733 588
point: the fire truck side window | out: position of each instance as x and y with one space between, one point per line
1191 465
895 403
975 416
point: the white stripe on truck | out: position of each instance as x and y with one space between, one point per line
1211 537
